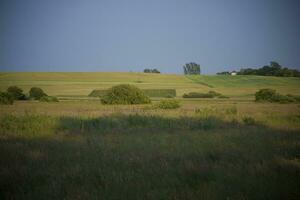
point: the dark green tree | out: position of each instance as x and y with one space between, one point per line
36 93
16 93
191 68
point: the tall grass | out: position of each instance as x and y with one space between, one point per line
145 157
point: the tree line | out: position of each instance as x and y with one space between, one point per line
274 69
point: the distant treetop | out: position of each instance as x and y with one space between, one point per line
191 68
151 71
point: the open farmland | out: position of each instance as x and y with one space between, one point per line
82 83
231 148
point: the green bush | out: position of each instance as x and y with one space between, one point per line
48 99
265 95
36 93
6 98
16 93
168 104
125 94
271 95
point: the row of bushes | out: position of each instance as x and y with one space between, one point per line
167 93
210 94
270 95
15 93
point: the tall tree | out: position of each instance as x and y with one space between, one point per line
191 68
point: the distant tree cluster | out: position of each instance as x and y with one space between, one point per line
274 69
151 71
15 93
191 68
224 73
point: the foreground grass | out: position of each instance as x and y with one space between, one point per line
140 156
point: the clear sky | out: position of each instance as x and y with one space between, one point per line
130 35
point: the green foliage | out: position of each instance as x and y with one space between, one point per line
168 104
6 98
151 71
36 93
168 93
274 69
191 68
210 94
125 94
16 93
271 95
223 73
265 94
48 99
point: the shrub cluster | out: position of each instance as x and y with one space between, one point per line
168 104
6 98
271 95
36 93
125 94
210 94
16 93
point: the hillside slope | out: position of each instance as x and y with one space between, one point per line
82 83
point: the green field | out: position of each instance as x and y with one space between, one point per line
231 149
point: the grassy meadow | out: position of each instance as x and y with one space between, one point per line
233 149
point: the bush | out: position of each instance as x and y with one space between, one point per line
125 94
265 95
271 95
168 104
48 99
36 93
6 98
16 93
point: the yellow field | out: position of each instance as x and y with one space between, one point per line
82 83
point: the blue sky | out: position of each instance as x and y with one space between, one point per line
130 35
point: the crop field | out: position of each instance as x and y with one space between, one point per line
78 148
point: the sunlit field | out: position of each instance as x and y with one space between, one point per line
78 148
